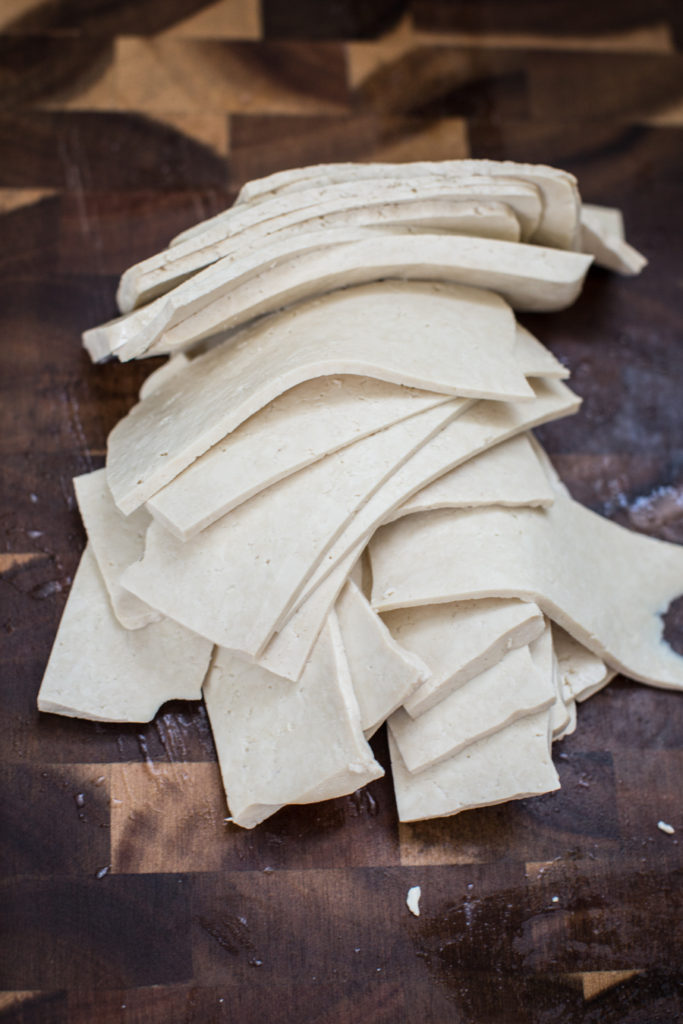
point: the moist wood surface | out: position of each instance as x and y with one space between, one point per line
125 896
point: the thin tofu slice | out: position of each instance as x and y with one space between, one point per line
577 566
382 672
235 582
509 474
478 429
602 235
521 197
280 742
467 341
580 669
528 277
116 542
311 420
509 765
120 675
559 220
535 359
460 641
543 654
473 214
487 703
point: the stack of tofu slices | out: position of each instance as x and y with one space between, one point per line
327 510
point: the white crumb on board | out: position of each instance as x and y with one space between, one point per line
413 900
663 826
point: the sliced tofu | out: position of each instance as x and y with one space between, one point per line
99 670
485 211
280 742
116 541
559 221
307 422
534 359
236 581
487 703
479 428
602 235
577 566
509 474
460 641
382 672
509 765
467 341
581 671
163 373
545 660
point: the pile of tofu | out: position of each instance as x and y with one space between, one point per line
327 510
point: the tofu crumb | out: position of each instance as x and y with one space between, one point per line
663 826
413 900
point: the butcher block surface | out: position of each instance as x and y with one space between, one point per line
126 896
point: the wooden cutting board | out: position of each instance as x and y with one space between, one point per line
125 895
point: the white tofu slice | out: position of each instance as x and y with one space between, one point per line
170 369
523 198
487 703
382 672
580 669
311 420
570 724
473 214
543 654
99 670
509 765
529 277
559 221
590 691
467 341
116 541
280 742
535 360
509 474
235 582
605 585
480 428
289 649
460 641
602 235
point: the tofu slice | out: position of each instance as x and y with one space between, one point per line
163 373
116 541
280 742
534 359
467 340
118 675
602 235
528 277
543 654
559 220
383 673
473 214
293 431
581 671
236 581
479 428
509 474
577 566
509 765
523 198
460 641
487 703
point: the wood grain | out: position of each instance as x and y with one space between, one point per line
125 895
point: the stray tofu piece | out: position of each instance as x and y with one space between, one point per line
280 742
99 670
602 235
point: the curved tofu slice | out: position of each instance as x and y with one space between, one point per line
581 671
602 235
487 211
383 673
559 221
280 742
605 585
509 474
460 641
236 581
296 429
512 764
466 348
116 541
487 703
121 675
